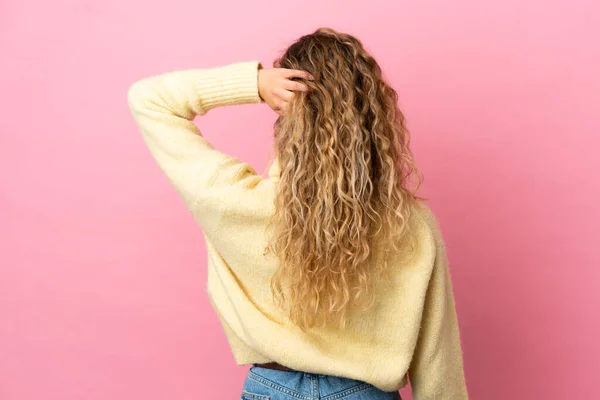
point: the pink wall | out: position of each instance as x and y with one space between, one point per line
102 281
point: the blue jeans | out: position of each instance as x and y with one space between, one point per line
271 384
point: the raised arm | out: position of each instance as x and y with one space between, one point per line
164 107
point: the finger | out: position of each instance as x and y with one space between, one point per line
283 94
295 86
297 73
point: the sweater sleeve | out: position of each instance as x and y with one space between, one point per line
436 370
164 108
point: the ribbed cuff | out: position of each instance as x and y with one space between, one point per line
231 84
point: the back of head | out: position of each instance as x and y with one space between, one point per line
345 182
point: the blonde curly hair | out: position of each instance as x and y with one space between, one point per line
348 181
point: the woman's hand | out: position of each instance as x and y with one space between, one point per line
276 87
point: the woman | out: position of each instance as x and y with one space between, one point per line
329 275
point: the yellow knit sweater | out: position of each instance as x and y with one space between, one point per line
412 330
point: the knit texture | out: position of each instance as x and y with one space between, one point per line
411 331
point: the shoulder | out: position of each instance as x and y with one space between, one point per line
425 213
427 217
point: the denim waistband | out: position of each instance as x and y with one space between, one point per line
307 374
263 382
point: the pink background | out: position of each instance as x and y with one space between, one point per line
102 282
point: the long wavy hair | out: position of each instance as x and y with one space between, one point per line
348 181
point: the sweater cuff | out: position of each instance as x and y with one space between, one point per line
228 85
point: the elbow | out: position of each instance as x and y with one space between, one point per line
137 95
